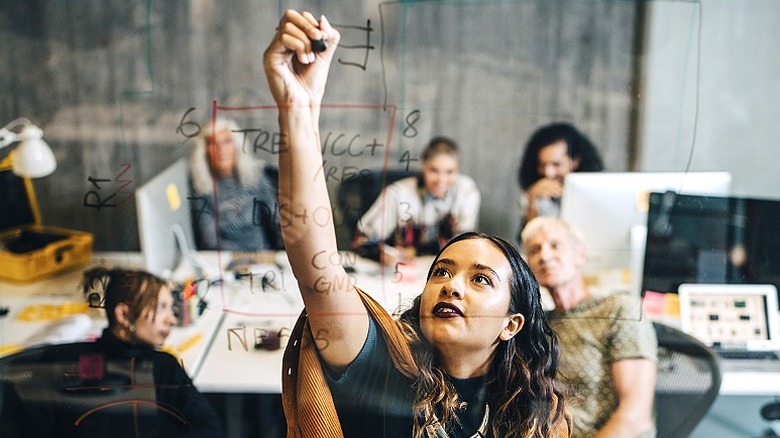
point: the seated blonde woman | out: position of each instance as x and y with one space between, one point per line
238 198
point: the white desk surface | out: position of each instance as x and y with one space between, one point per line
233 365
750 383
218 360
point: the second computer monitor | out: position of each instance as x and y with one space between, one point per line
610 210
711 239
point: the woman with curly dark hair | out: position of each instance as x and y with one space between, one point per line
552 152
523 368
474 357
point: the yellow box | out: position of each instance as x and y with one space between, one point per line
30 251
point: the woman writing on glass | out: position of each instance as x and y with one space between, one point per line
474 356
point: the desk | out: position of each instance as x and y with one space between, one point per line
743 391
234 366
54 291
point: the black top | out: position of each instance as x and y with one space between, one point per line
107 388
373 399
472 392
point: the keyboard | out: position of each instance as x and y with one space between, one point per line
747 355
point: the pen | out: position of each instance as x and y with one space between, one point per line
186 345
318 46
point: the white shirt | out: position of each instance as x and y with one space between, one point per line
404 202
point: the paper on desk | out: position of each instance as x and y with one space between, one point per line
72 328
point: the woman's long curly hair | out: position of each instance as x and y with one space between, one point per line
521 384
578 145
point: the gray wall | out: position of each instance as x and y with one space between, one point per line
658 85
710 91
110 81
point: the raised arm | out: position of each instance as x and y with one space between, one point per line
297 77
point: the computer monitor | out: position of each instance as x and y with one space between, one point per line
610 210
711 239
164 220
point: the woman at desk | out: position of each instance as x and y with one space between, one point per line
237 194
139 309
552 152
419 214
473 357
118 386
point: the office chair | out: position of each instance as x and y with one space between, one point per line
356 194
687 382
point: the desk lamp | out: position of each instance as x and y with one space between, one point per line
34 157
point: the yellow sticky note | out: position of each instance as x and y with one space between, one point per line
174 199
672 302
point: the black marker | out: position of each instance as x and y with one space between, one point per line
318 46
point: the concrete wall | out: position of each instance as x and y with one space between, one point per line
710 91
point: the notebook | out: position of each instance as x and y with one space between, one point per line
731 318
